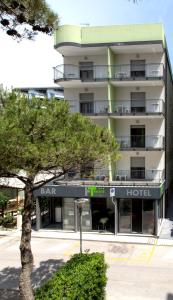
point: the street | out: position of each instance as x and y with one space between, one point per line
135 271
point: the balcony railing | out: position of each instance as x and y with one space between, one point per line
139 175
135 174
141 141
118 107
105 72
72 72
148 106
89 174
137 72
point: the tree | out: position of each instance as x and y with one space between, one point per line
42 136
24 18
3 202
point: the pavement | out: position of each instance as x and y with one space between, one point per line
165 238
140 267
135 271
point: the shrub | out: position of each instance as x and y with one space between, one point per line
83 277
8 219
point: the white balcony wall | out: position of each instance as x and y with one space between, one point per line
150 58
152 126
99 64
73 94
100 98
153 160
155 95
96 59
151 92
153 64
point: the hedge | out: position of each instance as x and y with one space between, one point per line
83 277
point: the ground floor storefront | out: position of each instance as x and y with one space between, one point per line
119 210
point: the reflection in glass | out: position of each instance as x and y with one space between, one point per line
148 216
125 215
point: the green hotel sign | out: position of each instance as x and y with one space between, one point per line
92 191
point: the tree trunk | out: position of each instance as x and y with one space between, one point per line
25 287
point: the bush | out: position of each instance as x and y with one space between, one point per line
83 277
8 219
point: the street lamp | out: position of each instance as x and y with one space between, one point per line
80 202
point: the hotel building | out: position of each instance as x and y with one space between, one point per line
119 77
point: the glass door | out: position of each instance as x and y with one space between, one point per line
148 217
86 71
137 216
125 210
86 103
137 134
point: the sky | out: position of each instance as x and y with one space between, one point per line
30 63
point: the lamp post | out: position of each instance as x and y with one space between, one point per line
80 202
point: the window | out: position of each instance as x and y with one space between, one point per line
86 71
138 167
137 102
86 103
137 68
137 136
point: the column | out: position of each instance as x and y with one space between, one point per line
38 215
156 216
116 214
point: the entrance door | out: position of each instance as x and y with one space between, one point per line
125 207
58 214
137 216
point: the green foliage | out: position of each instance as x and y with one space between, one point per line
8 219
83 277
3 199
16 16
41 135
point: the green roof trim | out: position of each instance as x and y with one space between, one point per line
109 34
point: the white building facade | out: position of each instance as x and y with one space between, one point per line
120 78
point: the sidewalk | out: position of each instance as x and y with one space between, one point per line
90 236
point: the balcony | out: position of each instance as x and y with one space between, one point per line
139 174
115 73
119 108
139 72
141 108
135 176
141 142
67 72
89 174
96 107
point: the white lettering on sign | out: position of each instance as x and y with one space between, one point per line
137 193
48 191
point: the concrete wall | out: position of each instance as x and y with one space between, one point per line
153 161
149 58
152 126
96 59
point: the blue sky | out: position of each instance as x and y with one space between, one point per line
30 63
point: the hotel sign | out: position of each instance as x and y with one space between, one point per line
100 191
